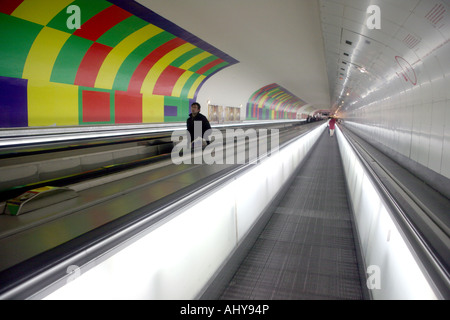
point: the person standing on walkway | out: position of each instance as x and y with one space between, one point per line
332 125
197 117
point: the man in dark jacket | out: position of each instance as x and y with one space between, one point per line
194 117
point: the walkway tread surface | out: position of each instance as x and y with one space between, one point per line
307 249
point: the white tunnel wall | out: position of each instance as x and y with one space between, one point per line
414 121
392 84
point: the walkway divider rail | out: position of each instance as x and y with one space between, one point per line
396 259
174 253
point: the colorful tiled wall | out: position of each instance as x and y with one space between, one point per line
125 64
273 102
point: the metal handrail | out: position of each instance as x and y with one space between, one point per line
50 268
439 275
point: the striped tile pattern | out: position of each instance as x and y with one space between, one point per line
273 102
120 46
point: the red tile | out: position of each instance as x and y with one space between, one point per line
128 108
96 106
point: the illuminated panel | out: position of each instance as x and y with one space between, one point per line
383 243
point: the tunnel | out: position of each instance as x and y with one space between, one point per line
103 196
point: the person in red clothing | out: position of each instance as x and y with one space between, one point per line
332 125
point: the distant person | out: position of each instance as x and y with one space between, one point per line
332 125
194 117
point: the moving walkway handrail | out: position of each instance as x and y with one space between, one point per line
42 135
435 268
29 278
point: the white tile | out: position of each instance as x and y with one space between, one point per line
415 133
405 137
392 13
332 20
437 135
331 8
360 5
417 24
388 29
434 12
445 166
333 31
425 129
426 91
355 15
439 88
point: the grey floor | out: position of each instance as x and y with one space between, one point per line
307 250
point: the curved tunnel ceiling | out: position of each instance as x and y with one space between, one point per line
127 64
275 42
122 57
43 65
272 99
135 45
407 52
